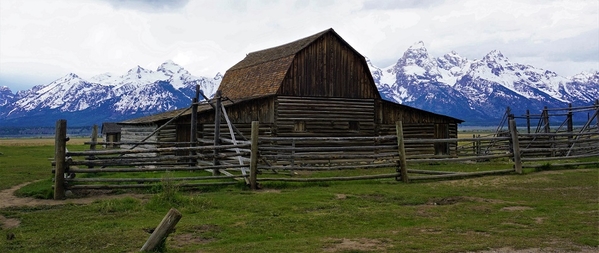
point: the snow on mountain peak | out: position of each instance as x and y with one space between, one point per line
105 79
417 45
71 76
416 55
69 80
495 55
585 76
170 68
138 71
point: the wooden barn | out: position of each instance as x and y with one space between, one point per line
315 86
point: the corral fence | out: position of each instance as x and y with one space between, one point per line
308 159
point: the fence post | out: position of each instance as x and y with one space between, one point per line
194 126
165 227
515 146
478 146
545 113
60 145
403 168
474 145
92 146
254 155
597 113
94 139
217 116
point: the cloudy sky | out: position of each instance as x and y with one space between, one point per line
42 40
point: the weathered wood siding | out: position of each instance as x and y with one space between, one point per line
328 68
242 112
111 137
314 116
138 132
389 113
241 115
418 124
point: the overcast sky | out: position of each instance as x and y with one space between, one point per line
43 40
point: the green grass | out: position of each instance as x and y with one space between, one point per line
556 209
21 164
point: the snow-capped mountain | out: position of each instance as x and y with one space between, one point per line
478 90
105 97
6 96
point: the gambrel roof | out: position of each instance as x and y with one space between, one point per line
261 73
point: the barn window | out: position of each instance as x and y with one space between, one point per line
299 126
354 126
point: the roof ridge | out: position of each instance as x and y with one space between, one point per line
278 52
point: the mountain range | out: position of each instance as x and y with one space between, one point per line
477 91
105 97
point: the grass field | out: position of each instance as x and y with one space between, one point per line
552 210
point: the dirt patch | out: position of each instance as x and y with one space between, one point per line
540 220
516 208
435 231
8 223
359 244
181 240
82 197
198 235
268 191
445 201
340 196
483 200
456 199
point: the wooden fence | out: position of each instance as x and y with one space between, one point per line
305 159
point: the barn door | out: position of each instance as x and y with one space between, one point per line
441 132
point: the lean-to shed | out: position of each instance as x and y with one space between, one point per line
315 86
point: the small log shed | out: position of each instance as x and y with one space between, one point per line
315 86
111 132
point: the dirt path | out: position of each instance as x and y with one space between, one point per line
8 198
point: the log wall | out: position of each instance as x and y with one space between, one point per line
313 116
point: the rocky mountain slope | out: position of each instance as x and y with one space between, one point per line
479 91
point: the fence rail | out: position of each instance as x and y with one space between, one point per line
307 159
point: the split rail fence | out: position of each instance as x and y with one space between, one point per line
306 159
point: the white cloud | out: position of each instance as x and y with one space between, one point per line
89 37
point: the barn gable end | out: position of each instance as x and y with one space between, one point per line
329 67
321 65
